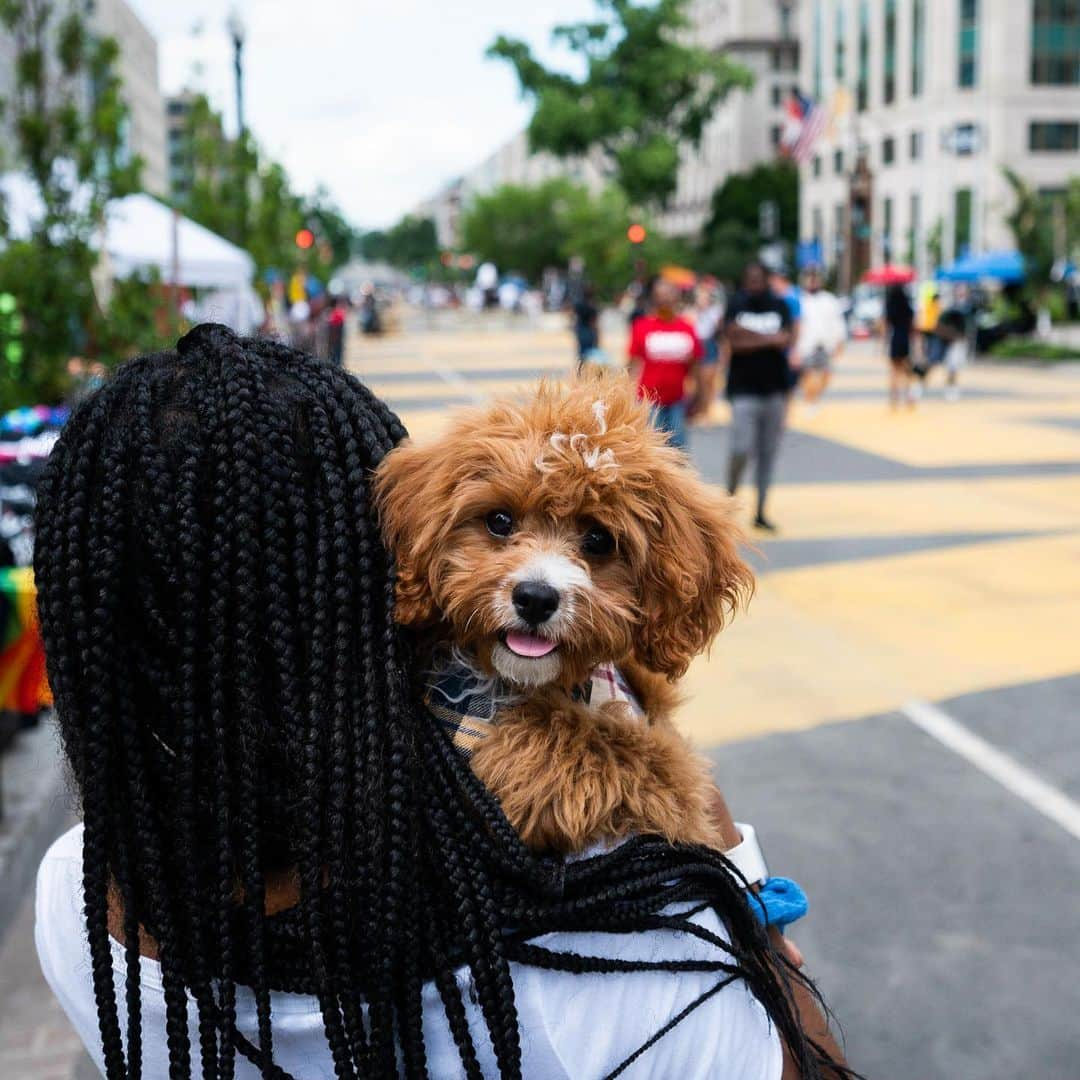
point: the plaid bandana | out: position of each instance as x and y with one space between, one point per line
467 704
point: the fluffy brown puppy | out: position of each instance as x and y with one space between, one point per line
540 539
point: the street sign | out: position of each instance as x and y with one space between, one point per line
962 140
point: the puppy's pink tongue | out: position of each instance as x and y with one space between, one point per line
528 644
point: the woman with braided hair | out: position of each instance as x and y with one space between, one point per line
284 868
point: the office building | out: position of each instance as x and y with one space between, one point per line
137 66
931 100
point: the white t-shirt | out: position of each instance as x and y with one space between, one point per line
573 1027
821 322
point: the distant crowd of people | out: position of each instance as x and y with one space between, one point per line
768 341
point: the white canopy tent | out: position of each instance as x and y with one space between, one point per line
143 234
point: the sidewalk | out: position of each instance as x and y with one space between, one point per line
36 1041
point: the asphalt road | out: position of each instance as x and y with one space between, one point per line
926 557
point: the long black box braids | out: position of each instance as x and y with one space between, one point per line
238 707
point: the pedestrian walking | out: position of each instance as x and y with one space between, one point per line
954 329
708 320
586 323
758 328
664 356
335 331
821 336
928 347
899 317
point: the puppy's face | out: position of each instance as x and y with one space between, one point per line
548 536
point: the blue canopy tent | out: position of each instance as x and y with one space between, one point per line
1004 266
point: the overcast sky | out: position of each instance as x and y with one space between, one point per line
380 100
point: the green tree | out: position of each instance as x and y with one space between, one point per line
330 225
531 228
733 232
646 92
1031 222
410 244
519 228
68 124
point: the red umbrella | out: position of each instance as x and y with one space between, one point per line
889 275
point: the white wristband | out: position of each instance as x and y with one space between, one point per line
747 857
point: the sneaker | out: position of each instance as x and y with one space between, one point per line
916 392
952 393
764 524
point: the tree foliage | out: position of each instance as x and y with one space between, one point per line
410 244
646 91
1032 226
67 121
733 232
239 192
529 229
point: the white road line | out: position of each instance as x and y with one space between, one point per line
987 758
455 380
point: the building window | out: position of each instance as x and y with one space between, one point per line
840 45
817 166
888 150
889 89
915 146
967 45
1054 136
818 75
777 96
918 45
962 219
838 162
914 228
815 217
1055 43
862 85
774 135
886 228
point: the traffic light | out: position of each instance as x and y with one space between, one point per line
636 234
305 238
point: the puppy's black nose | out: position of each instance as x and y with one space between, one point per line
535 601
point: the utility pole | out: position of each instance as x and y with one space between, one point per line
238 32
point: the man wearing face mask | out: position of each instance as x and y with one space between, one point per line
665 352
758 328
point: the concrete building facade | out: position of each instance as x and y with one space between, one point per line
137 67
761 34
745 130
932 99
138 70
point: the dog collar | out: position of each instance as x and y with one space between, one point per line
466 702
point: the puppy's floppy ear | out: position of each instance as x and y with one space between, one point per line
693 576
405 499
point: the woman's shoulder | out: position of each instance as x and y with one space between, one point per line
595 1021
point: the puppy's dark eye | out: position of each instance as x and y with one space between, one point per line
597 541
500 522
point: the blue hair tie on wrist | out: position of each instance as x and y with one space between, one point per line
779 902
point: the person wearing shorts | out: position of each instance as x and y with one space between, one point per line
822 333
899 317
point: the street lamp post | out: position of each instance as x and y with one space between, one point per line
238 32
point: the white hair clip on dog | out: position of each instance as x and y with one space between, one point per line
594 457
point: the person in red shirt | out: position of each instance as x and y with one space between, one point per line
664 355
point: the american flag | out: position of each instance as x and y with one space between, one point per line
804 122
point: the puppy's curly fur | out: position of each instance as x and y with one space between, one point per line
564 467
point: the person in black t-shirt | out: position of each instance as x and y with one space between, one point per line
899 318
758 331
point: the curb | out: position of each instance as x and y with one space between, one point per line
37 808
